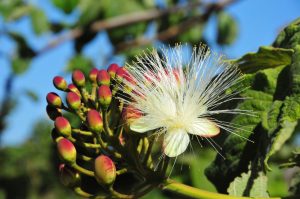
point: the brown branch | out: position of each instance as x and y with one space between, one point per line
175 30
119 21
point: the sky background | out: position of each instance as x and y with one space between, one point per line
259 22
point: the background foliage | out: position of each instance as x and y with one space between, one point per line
272 75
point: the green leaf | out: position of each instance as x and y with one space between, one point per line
265 57
89 11
239 152
113 9
39 21
289 37
19 65
8 7
80 62
227 28
66 5
19 12
257 186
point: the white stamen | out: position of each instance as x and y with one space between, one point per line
180 99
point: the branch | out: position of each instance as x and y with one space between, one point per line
119 21
175 30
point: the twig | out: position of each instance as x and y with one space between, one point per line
175 30
119 21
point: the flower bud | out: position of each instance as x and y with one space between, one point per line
94 121
112 70
63 126
78 78
105 170
53 112
104 96
60 83
74 89
66 150
73 100
121 72
54 100
103 78
68 176
93 75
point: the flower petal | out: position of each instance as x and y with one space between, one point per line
204 127
175 142
142 125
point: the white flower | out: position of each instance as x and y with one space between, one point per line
179 99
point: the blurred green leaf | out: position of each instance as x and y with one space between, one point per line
80 62
227 28
66 5
265 57
8 7
19 12
256 187
19 65
89 11
39 21
121 7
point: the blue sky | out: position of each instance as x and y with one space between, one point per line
259 23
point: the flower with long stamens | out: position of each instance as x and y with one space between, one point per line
180 99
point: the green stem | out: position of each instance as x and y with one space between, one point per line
192 192
81 132
83 170
82 193
106 124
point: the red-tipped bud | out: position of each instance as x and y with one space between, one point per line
112 70
78 78
60 83
104 96
73 100
103 78
63 126
94 121
93 75
53 112
54 100
121 72
66 150
105 170
74 89
68 176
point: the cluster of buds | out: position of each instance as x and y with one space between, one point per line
100 156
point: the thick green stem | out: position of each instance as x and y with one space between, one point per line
192 192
